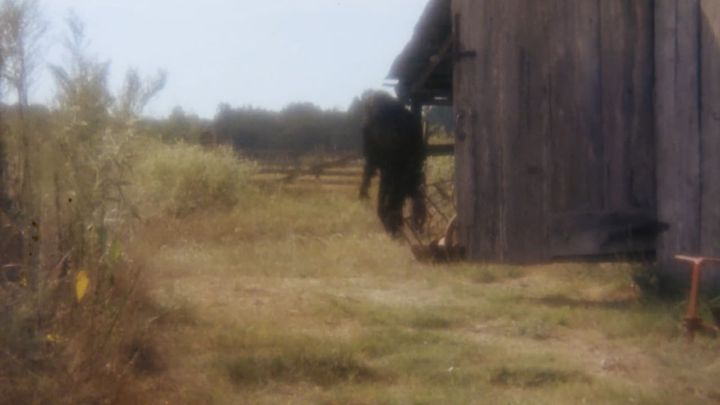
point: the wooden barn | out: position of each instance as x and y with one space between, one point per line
585 128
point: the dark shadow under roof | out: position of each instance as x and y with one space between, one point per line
424 68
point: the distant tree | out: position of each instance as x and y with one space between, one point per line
22 29
298 128
301 127
185 127
222 124
137 92
5 201
93 142
82 83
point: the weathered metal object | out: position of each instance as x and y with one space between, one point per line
438 242
693 323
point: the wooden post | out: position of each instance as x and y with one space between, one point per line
677 112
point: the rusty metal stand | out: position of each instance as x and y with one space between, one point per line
692 321
437 242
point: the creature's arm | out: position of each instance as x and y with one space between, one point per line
368 173
370 166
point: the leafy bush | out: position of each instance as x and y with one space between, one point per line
180 179
77 327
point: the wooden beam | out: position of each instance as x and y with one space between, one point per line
443 149
435 61
431 97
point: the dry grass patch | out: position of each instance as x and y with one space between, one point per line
534 377
302 299
297 359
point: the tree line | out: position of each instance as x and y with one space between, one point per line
299 127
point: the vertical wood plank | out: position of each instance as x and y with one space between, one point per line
626 74
710 134
468 156
677 130
577 142
486 37
463 151
525 116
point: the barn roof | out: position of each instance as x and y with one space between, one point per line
424 68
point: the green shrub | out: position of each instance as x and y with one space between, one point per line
76 325
180 179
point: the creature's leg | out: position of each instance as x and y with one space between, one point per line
395 213
419 212
395 198
390 199
368 173
382 201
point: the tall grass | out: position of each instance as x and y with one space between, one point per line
180 179
76 324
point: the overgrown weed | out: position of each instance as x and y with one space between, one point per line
179 179
80 325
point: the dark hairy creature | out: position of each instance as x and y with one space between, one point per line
393 144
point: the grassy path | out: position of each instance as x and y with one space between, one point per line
302 299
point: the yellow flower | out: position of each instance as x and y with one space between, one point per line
52 338
82 281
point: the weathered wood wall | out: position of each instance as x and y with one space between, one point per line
555 151
710 133
688 131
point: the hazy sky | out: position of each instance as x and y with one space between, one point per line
267 53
